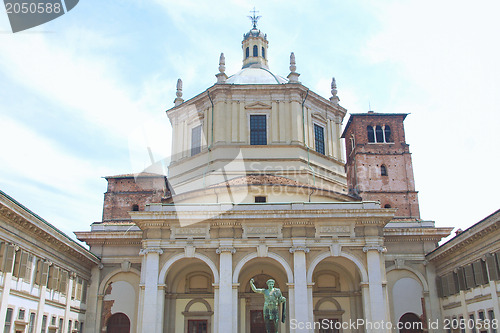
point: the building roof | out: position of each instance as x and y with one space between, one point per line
475 232
136 175
369 114
255 74
24 218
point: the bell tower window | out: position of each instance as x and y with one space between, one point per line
379 134
263 53
255 51
258 130
387 132
247 52
371 134
383 170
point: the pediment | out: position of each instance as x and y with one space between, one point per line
319 116
257 106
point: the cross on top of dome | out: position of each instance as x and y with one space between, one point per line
254 18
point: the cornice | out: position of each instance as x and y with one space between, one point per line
449 249
41 230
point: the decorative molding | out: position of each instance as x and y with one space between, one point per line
334 230
190 232
232 250
381 249
262 231
299 248
335 249
399 263
189 251
262 250
151 250
125 266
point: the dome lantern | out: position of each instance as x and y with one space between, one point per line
254 45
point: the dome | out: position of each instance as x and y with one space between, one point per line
255 74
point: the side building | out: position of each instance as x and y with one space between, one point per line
468 277
44 274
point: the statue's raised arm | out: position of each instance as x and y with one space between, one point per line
255 290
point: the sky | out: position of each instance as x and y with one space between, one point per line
84 95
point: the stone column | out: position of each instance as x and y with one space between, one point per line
161 307
236 306
365 294
226 287
150 301
216 308
378 306
92 313
434 309
301 297
310 301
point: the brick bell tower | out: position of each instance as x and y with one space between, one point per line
378 165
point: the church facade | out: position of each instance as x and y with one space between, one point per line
261 187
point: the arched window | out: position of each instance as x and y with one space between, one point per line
371 134
379 135
383 170
387 132
247 52
135 208
263 53
255 51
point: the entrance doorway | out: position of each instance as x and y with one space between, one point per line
197 326
410 323
118 323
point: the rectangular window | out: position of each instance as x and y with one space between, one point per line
69 326
260 199
84 291
8 320
20 314
81 327
472 323
79 288
196 140
60 325
53 321
319 139
63 282
31 324
258 130
491 317
492 267
462 324
44 324
469 277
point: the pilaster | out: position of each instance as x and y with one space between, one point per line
378 306
150 301
301 296
226 297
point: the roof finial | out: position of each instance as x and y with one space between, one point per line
221 77
334 99
293 77
179 99
254 18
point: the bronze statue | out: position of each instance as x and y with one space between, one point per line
272 300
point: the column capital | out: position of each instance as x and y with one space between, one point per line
232 250
379 248
299 248
150 250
